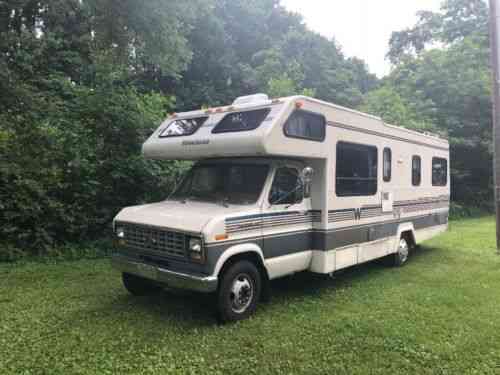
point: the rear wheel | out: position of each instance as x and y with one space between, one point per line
139 286
401 256
239 291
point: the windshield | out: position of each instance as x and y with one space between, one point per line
223 182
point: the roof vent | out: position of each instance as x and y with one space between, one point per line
256 98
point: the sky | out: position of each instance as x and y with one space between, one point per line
361 27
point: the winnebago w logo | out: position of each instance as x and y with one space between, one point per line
357 213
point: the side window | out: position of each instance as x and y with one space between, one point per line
286 187
387 165
416 170
306 125
182 127
356 170
439 172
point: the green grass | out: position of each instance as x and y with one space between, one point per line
440 314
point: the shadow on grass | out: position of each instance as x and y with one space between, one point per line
191 310
186 309
306 283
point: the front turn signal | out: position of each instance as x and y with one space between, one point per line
221 237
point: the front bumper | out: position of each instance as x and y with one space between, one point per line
205 284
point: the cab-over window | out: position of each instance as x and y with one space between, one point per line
241 121
183 127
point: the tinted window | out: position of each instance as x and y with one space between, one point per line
241 121
416 171
183 127
223 182
439 172
356 173
286 188
305 125
387 165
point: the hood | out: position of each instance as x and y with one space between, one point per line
190 217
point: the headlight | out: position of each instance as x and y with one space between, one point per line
120 232
195 249
195 245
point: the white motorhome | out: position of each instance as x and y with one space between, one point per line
281 186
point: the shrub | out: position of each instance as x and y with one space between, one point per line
460 211
71 159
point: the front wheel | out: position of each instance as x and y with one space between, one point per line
239 291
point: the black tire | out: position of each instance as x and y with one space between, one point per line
139 286
239 291
400 258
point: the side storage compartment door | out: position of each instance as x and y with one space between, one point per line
387 201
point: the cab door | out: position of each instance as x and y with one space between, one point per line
287 219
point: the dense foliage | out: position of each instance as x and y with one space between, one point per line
84 82
446 90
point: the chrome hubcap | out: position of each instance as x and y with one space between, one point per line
404 250
241 293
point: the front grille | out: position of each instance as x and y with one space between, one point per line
162 241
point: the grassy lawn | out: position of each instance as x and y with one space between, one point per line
440 314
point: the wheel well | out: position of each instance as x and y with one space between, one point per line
409 236
251 257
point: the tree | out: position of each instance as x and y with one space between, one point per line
242 47
71 121
393 109
84 82
447 86
457 20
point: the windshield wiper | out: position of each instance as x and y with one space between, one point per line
186 198
224 202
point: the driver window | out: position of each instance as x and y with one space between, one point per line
286 188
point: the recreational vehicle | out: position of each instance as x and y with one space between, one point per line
278 187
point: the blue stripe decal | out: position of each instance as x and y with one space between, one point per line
272 214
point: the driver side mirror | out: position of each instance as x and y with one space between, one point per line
306 177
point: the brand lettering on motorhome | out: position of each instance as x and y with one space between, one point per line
196 143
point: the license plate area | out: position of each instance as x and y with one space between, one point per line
147 271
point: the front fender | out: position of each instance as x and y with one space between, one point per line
235 250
